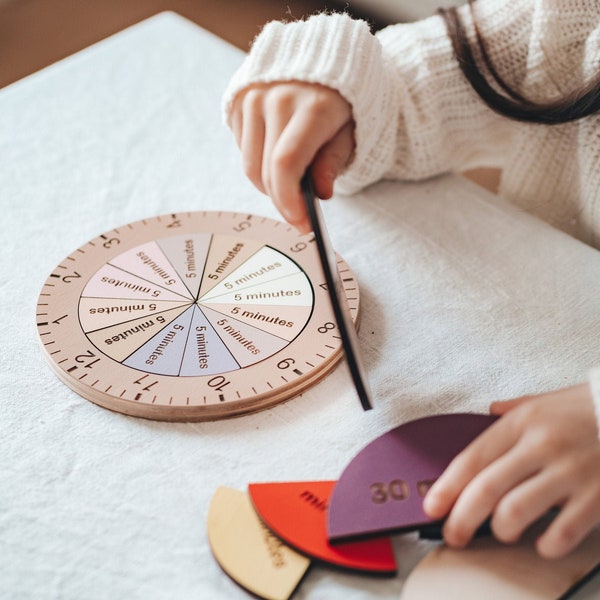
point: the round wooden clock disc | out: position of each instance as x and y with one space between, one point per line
192 316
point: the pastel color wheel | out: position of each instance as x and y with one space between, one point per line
296 512
381 490
194 316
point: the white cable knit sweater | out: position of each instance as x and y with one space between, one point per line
416 115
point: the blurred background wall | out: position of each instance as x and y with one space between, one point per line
36 33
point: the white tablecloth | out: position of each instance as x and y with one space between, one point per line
465 300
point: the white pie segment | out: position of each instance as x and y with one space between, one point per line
266 265
293 290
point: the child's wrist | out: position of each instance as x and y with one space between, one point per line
317 50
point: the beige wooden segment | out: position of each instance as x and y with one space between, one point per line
98 313
247 551
187 253
247 344
226 254
283 321
488 569
122 340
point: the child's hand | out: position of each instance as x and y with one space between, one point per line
282 129
543 453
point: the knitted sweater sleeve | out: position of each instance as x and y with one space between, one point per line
415 114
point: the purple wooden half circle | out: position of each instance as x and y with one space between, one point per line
381 490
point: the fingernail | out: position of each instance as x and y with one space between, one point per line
303 228
288 214
430 502
434 505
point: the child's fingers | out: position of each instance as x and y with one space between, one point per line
331 160
295 150
281 128
481 452
577 518
252 139
482 494
526 503
501 407
569 478
236 121
581 510
542 453
276 149
575 392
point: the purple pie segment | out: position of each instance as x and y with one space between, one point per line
381 491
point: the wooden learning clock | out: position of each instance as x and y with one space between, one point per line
192 316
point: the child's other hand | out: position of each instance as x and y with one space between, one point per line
282 129
543 453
